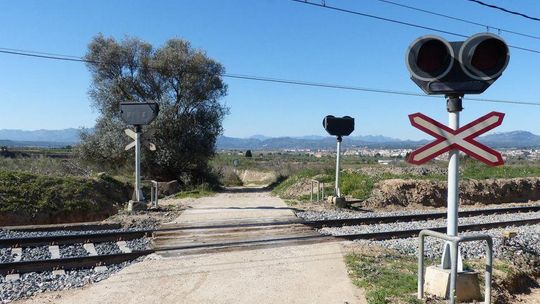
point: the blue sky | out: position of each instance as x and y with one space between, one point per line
272 38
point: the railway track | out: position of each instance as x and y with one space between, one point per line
221 237
95 237
370 220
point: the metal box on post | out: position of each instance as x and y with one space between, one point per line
138 113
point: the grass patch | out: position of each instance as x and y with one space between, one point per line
481 171
354 184
322 175
386 278
357 185
198 192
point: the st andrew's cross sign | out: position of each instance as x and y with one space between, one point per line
462 139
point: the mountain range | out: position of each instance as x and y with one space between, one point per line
60 138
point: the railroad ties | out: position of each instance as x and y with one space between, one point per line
54 235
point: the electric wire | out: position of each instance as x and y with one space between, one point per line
505 10
409 24
499 29
50 56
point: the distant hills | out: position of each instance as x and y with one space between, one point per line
511 139
514 139
61 138
66 135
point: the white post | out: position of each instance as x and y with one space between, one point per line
337 193
138 194
454 107
453 180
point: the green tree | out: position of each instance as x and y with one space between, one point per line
248 153
185 82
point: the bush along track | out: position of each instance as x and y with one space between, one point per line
28 198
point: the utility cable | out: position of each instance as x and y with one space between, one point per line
460 19
69 58
505 10
343 10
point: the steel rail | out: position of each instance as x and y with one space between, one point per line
366 220
74 238
66 226
417 217
69 263
385 235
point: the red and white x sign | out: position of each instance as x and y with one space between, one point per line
461 139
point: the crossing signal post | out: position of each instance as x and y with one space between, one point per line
454 69
339 127
138 114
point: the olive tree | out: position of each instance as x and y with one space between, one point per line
185 82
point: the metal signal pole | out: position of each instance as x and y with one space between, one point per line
138 192
337 192
454 106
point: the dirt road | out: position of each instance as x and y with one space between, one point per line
313 273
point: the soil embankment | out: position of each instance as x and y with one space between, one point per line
399 192
252 177
35 199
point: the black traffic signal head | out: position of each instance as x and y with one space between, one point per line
338 126
138 113
456 68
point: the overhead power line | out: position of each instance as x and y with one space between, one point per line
364 89
395 21
505 10
499 29
69 58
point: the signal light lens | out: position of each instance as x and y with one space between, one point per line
432 56
489 54
429 58
484 56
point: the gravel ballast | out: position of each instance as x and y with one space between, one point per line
526 240
5 255
107 248
138 244
426 224
4 234
332 214
32 283
35 253
73 250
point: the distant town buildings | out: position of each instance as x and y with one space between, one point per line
387 156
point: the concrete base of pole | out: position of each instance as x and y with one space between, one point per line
134 195
437 283
135 206
340 202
